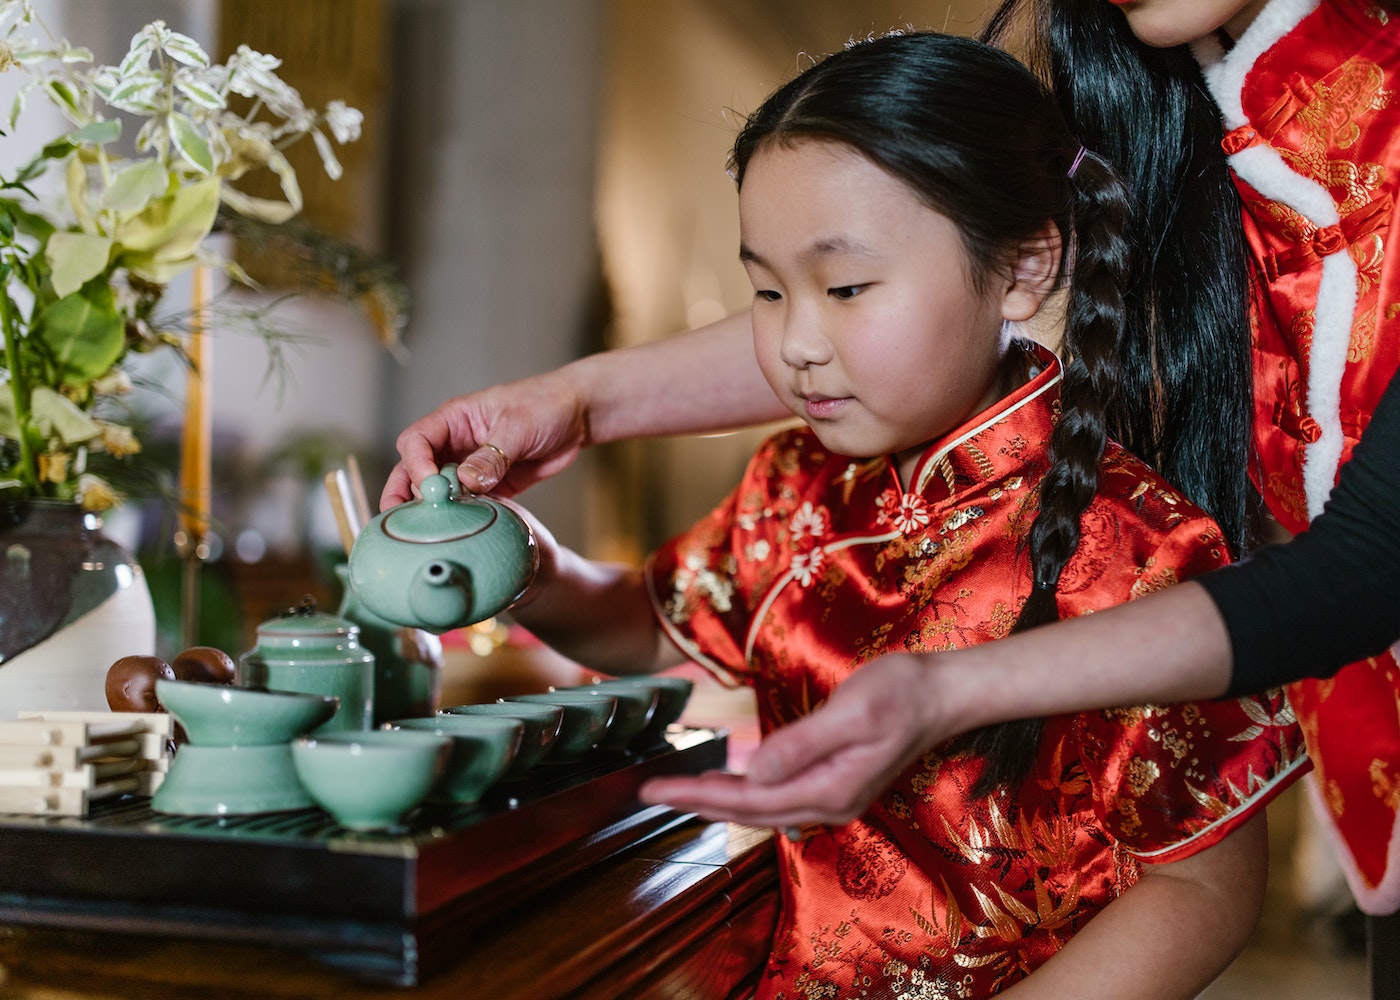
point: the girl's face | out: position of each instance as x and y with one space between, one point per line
865 320
1163 23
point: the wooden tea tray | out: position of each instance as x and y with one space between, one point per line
385 907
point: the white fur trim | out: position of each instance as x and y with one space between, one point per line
1327 360
1225 71
1268 173
1381 899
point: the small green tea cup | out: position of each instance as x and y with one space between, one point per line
635 707
482 750
585 725
542 725
370 780
672 695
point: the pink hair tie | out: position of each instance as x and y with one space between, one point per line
1079 156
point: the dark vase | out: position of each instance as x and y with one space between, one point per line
72 601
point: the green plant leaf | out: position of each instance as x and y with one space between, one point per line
56 416
200 91
136 185
9 425
191 144
83 332
76 181
161 241
76 258
97 133
170 228
184 49
62 94
137 93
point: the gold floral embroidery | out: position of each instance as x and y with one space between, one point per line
1289 494
1261 719
1131 824
1141 776
874 645
1363 337
1369 254
1333 797
981 461
1002 622
1331 120
1148 582
1386 788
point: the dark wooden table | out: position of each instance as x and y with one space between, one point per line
686 915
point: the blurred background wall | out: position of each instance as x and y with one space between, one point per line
548 178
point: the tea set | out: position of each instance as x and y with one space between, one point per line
297 728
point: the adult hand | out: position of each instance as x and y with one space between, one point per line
504 438
828 766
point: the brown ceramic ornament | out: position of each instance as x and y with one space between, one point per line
204 665
131 683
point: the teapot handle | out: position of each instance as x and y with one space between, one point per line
455 487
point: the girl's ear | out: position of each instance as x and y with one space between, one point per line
1032 275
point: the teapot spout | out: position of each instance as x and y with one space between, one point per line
440 596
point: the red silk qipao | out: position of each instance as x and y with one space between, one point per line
818 563
1309 98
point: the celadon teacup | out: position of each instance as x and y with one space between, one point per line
370 780
673 693
635 707
482 750
542 726
586 721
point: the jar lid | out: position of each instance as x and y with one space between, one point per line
305 622
441 516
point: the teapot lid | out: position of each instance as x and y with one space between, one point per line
442 515
305 622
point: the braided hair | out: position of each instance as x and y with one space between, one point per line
1187 402
980 140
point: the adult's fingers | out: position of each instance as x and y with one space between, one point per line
732 798
483 470
398 488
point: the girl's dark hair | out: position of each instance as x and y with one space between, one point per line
981 141
1185 405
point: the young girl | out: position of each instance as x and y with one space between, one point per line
900 203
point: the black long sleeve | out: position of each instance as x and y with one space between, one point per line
1330 596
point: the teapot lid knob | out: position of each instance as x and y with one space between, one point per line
435 488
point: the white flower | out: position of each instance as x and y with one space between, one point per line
913 514
758 551
344 121
806 566
808 522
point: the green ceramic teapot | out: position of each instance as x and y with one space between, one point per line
446 561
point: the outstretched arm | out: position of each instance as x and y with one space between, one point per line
828 766
1179 644
703 380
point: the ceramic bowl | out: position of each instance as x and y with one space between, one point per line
542 726
672 695
482 750
220 715
230 781
586 721
370 780
635 707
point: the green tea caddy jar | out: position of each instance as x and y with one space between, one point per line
309 651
